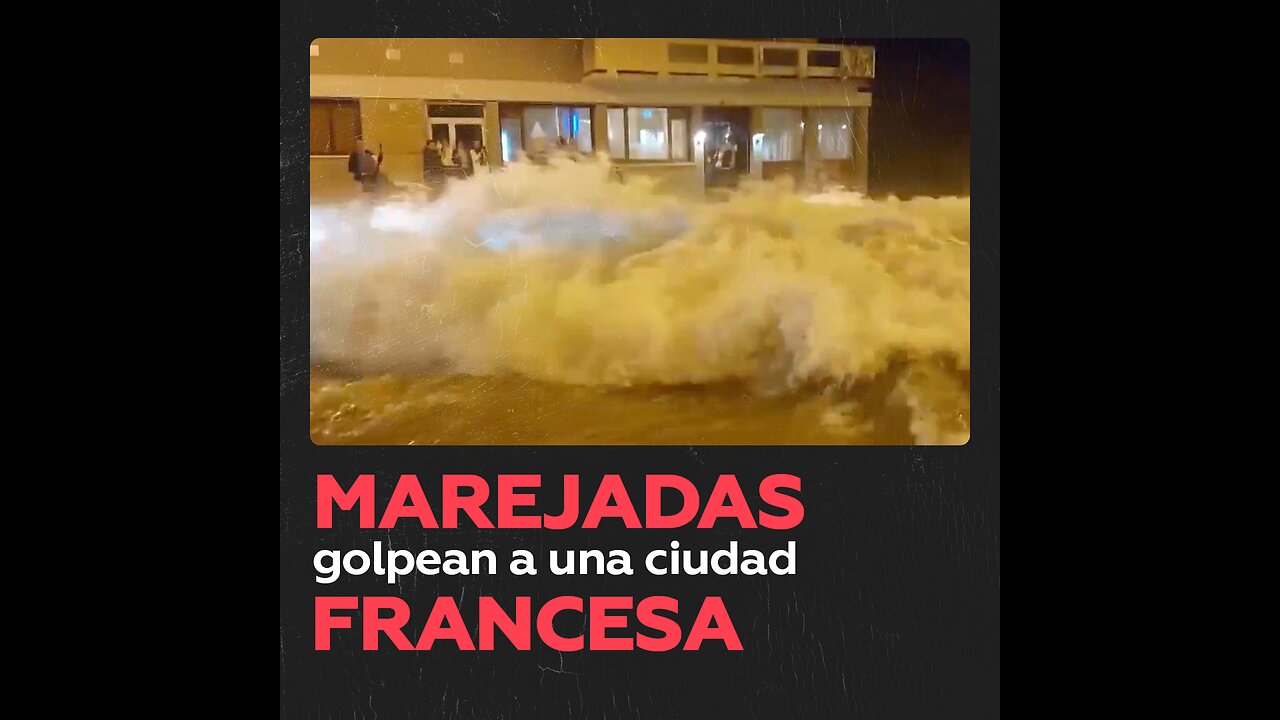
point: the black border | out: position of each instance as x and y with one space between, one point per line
958 475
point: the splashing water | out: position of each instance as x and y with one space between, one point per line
555 304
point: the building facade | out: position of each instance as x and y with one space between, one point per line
692 113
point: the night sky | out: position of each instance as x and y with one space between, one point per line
919 132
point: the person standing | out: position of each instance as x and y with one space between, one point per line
363 166
462 158
431 158
353 159
433 168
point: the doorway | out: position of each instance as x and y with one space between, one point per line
470 134
727 150
454 123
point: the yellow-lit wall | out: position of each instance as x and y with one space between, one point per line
625 54
393 94
399 125
548 59
330 179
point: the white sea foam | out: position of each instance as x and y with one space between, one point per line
563 274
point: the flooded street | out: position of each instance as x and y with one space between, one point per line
551 305
511 410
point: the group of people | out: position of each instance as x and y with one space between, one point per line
366 168
465 157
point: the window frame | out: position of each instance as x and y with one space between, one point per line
687 116
849 115
821 53
789 109
515 111
794 64
706 53
330 103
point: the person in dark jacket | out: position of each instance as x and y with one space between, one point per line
433 173
364 167
431 157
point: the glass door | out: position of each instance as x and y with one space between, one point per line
728 153
468 132
453 123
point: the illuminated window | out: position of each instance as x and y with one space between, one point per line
553 124
782 136
335 125
648 133
580 128
540 125
512 139
617 130
679 138
835 133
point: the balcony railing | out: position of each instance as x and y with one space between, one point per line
726 58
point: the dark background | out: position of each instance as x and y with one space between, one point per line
919 131
895 610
